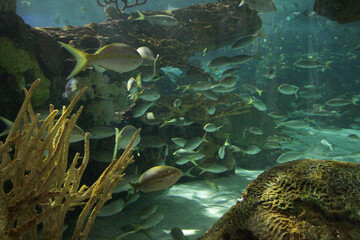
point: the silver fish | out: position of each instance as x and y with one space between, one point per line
125 136
160 20
157 178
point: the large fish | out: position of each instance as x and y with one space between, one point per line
157 178
117 57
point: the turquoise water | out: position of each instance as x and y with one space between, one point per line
300 93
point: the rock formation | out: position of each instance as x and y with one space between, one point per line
303 199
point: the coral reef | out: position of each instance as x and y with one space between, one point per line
38 183
303 199
209 29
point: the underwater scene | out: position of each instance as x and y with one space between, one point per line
180 119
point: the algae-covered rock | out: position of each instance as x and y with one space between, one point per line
339 10
303 199
17 61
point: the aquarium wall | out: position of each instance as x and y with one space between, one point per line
242 109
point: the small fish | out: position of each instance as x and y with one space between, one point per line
357 48
222 149
152 142
229 71
310 63
211 127
199 86
251 89
179 141
111 208
294 124
76 135
289 156
150 222
339 102
157 178
246 40
147 56
101 132
264 6
141 108
125 136
243 58
277 115
326 143
218 88
183 151
215 168
228 81
204 52
271 74
149 118
211 109
255 130
251 150
149 94
210 95
189 157
131 85
195 142
288 89
71 89
147 211
212 185
160 20
180 122
259 105
117 57
220 62
272 145
246 97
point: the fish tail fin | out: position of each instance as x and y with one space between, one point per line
8 125
327 64
204 137
187 87
296 95
81 57
155 61
241 3
259 92
141 16
133 186
138 80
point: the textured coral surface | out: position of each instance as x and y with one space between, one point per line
303 199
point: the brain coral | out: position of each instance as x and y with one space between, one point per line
303 199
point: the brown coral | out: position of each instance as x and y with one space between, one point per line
37 183
303 199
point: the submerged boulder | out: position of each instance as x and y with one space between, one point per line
338 10
303 199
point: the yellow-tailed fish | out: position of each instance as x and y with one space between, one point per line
117 57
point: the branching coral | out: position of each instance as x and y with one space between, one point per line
38 186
